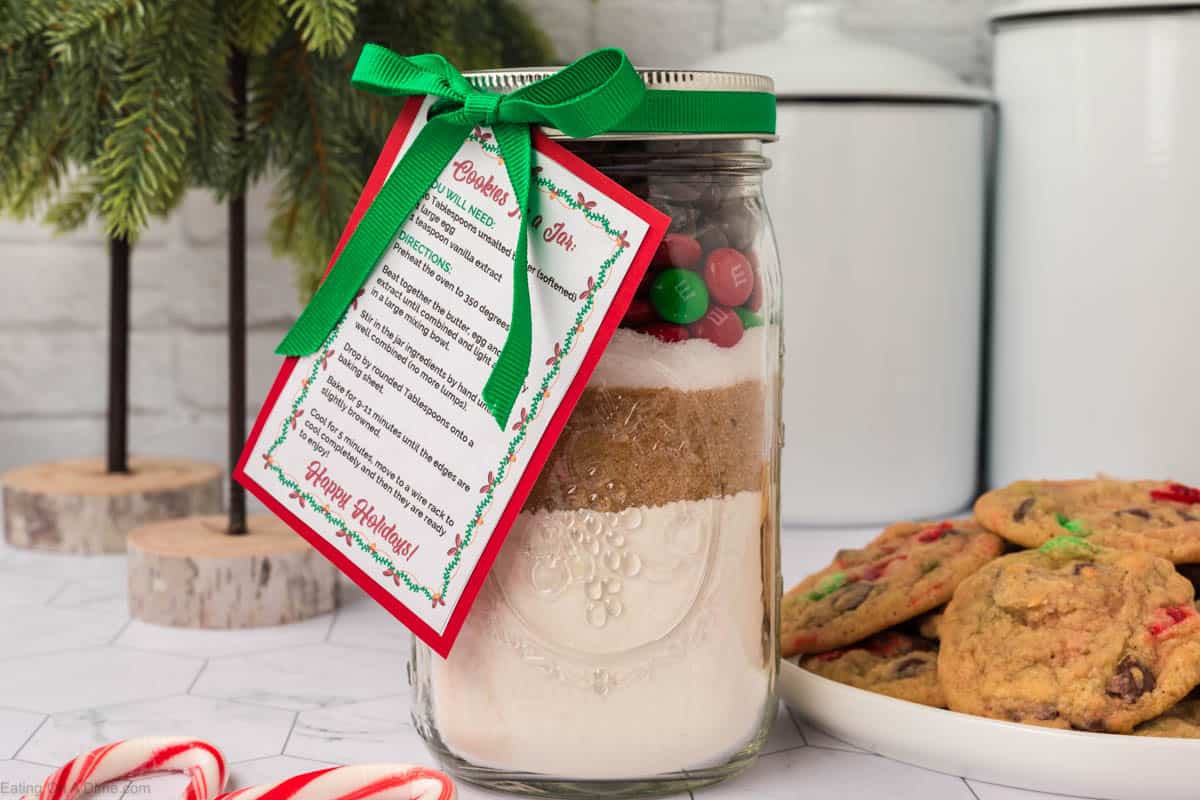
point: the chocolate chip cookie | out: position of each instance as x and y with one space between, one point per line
1071 635
1159 517
907 570
891 663
929 625
1180 722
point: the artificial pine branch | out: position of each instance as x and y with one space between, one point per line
39 176
144 164
134 93
72 207
89 87
20 19
131 98
255 25
81 27
326 26
26 84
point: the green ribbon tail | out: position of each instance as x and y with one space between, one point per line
432 150
512 366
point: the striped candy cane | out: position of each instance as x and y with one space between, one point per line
200 761
364 782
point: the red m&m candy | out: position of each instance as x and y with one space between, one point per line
677 250
754 302
639 313
666 331
719 325
728 276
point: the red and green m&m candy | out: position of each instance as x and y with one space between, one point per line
679 296
729 276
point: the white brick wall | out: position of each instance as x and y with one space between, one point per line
52 316
53 332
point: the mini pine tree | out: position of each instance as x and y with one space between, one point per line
114 108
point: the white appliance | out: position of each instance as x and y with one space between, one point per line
877 192
1097 288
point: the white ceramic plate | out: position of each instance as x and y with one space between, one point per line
1095 765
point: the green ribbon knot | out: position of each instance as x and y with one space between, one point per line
589 97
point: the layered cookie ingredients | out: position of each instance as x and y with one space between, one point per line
632 583
625 642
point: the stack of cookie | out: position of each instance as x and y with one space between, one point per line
1090 627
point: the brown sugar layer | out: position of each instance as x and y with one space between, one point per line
625 448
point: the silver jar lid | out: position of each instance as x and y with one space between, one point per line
663 86
679 80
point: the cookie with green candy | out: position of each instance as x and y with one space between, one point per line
1071 635
910 568
1159 517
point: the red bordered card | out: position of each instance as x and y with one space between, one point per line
378 448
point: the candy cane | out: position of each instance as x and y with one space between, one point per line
200 761
364 782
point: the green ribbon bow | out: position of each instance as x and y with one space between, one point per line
589 97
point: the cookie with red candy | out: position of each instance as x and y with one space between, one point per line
893 663
1071 635
910 568
1159 517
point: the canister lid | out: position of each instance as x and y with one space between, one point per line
816 60
1020 9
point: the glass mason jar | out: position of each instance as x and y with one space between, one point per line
625 642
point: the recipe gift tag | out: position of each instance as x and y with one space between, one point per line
379 449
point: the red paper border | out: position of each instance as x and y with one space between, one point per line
658 222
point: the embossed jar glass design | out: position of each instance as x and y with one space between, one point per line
625 642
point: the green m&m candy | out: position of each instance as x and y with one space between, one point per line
748 317
679 296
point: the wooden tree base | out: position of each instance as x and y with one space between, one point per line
189 573
77 507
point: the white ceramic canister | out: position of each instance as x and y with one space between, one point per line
877 191
1097 287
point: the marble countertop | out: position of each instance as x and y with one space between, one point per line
76 672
